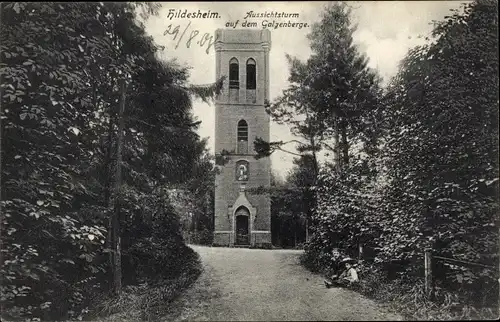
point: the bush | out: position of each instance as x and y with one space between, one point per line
161 253
156 264
51 278
150 259
406 295
203 237
59 151
149 300
429 178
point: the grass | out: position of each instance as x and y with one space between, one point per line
147 301
406 296
410 301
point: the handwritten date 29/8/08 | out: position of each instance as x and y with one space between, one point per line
206 38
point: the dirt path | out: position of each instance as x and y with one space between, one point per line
267 285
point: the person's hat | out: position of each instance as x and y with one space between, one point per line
348 260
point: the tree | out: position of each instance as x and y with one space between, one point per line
344 90
442 143
61 67
429 177
331 97
290 204
302 180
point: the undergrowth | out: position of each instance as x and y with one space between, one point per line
406 296
147 301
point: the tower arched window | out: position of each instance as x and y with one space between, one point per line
251 74
242 137
234 74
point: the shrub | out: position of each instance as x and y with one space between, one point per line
203 237
161 254
431 181
148 300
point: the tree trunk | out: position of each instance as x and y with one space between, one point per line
307 231
107 197
277 238
280 233
336 145
107 163
309 212
344 146
315 158
115 231
295 235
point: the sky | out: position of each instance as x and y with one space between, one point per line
386 31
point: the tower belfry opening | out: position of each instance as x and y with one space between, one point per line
242 218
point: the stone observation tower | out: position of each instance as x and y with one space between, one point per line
242 218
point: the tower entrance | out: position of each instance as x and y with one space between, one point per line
242 230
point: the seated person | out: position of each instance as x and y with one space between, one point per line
348 277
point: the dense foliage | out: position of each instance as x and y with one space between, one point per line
427 173
196 203
329 97
414 165
61 65
291 203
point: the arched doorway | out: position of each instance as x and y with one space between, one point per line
242 216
